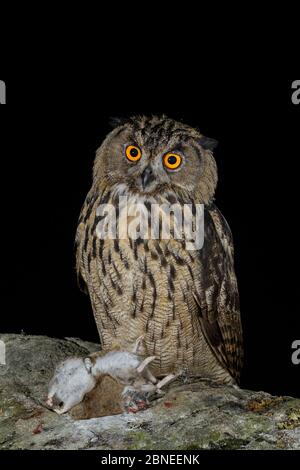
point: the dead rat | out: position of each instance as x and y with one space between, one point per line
130 379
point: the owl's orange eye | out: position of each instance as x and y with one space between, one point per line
172 161
133 153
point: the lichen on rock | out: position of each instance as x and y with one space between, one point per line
194 416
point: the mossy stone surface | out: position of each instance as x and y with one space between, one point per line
195 416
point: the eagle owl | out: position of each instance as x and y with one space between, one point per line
184 303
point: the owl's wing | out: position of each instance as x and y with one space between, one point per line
85 241
217 294
81 281
82 233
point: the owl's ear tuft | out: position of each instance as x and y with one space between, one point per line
116 121
207 143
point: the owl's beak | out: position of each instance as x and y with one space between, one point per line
147 177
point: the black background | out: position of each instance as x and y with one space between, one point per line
50 129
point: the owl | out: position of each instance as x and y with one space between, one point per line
183 302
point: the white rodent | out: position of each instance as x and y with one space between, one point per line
75 377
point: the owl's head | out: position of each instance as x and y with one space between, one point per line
157 156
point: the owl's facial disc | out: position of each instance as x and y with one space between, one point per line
155 156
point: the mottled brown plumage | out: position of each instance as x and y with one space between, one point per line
185 303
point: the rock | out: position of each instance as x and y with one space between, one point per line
194 416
